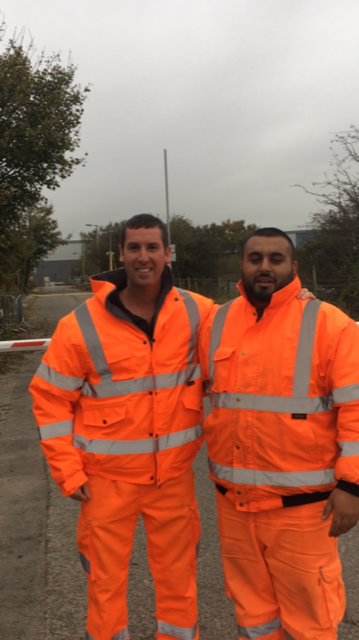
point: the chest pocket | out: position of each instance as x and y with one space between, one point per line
120 360
222 361
104 417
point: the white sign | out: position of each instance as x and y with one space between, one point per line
173 253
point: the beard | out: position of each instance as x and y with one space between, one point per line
264 296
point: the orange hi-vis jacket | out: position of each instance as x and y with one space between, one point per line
113 403
285 400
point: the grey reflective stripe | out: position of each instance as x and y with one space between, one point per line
259 631
258 477
184 633
346 394
198 546
69 383
56 429
216 335
303 361
91 338
121 635
146 445
170 380
288 636
86 564
349 448
194 321
273 404
113 447
107 388
179 438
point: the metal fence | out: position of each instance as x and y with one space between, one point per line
11 313
219 290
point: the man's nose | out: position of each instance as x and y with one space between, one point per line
143 255
266 265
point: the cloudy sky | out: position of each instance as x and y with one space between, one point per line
244 94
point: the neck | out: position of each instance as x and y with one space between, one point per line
141 301
257 304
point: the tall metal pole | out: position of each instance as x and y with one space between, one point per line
167 199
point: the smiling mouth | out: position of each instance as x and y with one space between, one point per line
147 270
264 281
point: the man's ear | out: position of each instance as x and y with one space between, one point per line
122 259
295 267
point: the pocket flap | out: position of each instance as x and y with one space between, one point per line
193 402
331 571
117 352
102 417
223 353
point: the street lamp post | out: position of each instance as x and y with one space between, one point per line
97 244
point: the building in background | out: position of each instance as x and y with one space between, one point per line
300 236
59 264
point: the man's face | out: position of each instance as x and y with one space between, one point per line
144 256
266 267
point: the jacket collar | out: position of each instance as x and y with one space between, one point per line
279 298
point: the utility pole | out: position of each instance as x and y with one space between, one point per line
110 251
167 199
97 244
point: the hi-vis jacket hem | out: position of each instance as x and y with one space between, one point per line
285 398
109 400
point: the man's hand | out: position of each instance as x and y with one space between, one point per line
82 493
304 294
346 512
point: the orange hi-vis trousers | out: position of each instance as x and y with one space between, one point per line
105 535
282 572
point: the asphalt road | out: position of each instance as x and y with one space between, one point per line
42 586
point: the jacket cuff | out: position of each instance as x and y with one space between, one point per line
349 487
69 486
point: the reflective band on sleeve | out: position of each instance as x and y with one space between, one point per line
303 361
68 383
194 320
346 394
184 633
216 335
259 631
107 388
121 635
91 338
114 447
258 477
56 429
86 564
271 404
179 438
349 448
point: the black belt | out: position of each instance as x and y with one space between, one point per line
292 501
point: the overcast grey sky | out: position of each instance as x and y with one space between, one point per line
243 94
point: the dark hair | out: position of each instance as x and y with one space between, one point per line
273 232
148 221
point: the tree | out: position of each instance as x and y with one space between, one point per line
27 242
334 253
40 118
